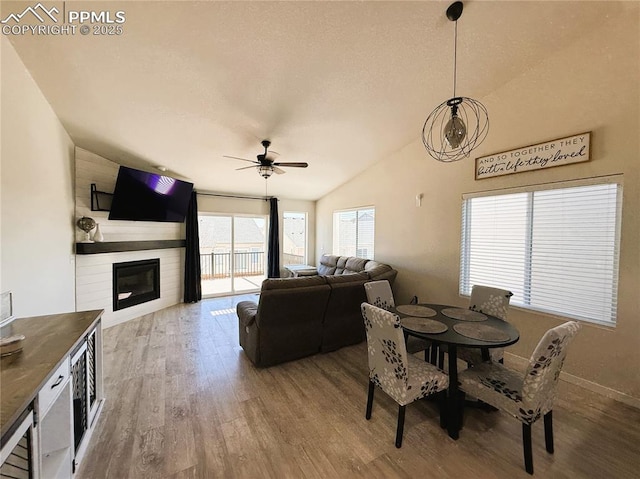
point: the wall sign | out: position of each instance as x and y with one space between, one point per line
563 151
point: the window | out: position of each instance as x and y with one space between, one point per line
294 238
555 248
353 232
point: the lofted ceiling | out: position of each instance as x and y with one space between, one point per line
340 85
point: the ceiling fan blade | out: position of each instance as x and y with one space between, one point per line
236 158
278 171
294 165
245 168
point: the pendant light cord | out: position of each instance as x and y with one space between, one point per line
455 57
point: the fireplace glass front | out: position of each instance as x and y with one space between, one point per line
135 282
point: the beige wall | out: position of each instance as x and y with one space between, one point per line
37 261
216 204
591 86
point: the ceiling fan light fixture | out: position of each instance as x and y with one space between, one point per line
265 171
458 125
265 165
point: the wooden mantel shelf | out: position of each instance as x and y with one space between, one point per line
119 246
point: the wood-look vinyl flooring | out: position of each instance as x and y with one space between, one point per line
183 401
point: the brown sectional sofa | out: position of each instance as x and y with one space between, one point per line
298 317
337 265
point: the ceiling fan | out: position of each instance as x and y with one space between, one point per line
267 166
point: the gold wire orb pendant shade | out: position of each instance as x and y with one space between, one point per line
455 128
458 125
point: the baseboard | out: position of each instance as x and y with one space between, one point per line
521 364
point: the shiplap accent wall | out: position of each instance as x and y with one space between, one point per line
94 286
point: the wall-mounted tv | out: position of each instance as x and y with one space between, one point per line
143 196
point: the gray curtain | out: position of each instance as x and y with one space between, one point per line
192 286
273 251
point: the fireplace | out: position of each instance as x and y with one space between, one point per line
135 282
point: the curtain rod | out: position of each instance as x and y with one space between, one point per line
242 197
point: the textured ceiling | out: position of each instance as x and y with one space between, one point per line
340 85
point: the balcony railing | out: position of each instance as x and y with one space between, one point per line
292 258
218 265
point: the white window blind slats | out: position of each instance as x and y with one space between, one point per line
555 249
354 232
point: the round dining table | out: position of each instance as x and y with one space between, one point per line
464 328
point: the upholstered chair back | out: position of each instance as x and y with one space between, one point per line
493 301
541 378
379 294
526 397
403 377
387 351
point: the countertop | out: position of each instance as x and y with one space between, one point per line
48 341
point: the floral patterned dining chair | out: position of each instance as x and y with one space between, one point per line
492 301
528 397
379 294
402 376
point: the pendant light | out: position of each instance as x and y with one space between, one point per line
458 125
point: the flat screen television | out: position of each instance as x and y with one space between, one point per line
143 196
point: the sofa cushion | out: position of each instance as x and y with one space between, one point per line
347 278
247 311
383 272
328 264
341 264
326 270
343 324
290 283
377 269
355 265
372 264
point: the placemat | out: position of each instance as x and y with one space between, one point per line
423 325
464 314
483 332
416 310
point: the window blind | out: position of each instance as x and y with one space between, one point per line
556 249
354 232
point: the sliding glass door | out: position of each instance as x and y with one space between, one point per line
232 253
249 252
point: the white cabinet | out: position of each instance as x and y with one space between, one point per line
56 398
54 429
52 388
68 405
